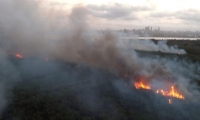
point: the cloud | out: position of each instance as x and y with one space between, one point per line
184 15
161 14
58 4
189 15
117 11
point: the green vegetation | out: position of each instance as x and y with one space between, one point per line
192 48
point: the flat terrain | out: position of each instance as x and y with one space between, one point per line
192 48
61 91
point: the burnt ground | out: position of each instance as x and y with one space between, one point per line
56 90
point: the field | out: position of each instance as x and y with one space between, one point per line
192 48
79 92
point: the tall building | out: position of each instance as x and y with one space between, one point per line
147 28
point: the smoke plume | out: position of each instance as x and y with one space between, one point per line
31 28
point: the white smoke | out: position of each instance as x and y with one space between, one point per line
149 45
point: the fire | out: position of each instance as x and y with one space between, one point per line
18 55
170 101
169 93
141 85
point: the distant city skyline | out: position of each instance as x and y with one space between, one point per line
152 28
158 32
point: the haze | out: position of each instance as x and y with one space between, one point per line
120 14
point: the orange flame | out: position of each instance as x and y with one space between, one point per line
19 55
141 85
171 93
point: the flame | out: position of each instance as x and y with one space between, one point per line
18 55
171 93
141 85
170 101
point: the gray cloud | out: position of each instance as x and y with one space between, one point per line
57 4
161 14
190 14
185 15
117 11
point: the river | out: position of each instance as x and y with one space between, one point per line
160 38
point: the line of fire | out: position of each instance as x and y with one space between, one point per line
169 91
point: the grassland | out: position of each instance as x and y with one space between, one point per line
192 48
47 95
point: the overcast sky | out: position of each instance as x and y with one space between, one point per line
120 14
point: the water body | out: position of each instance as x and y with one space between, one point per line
160 38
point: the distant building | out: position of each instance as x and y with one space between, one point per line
157 32
146 28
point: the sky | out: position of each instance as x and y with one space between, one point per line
119 14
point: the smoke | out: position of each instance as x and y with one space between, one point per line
149 45
33 29
9 75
